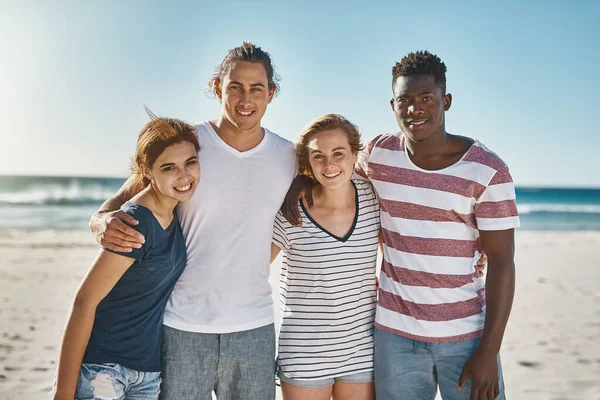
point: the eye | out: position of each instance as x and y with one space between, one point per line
191 162
318 156
427 98
338 153
235 87
169 168
256 89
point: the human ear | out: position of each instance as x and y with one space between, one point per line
447 101
216 83
147 173
271 93
392 104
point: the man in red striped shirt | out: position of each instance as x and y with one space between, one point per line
445 199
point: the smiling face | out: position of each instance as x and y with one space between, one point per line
176 171
419 105
330 157
244 94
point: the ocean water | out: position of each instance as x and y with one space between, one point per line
30 202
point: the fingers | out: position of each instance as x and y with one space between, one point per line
496 391
309 198
490 393
128 219
483 259
116 228
121 222
120 239
462 379
115 247
289 209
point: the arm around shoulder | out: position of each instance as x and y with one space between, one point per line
110 225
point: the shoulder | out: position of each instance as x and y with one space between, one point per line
277 140
388 141
283 146
363 186
480 154
143 215
281 223
203 130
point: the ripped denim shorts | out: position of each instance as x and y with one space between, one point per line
115 382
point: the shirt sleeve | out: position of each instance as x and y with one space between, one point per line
280 237
496 208
360 168
143 228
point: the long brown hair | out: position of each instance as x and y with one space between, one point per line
158 134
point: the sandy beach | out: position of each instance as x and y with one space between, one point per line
551 349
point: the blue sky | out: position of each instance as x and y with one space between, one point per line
74 75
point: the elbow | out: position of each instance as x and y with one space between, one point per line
83 302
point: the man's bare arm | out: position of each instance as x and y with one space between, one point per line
499 292
110 225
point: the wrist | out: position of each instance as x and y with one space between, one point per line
487 349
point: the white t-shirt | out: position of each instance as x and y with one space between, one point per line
228 227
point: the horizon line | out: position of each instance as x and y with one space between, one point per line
525 186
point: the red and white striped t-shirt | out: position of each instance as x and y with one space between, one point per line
430 222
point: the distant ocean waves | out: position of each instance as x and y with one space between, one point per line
29 202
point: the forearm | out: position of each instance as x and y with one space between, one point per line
499 293
74 343
129 189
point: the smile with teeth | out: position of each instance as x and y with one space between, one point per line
244 113
332 175
417 122
183 188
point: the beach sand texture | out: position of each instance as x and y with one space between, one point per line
551 349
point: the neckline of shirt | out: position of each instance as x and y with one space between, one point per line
168 228
230 149
354 222
434 171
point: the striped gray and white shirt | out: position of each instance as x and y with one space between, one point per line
328 293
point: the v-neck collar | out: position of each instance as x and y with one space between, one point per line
231 150
351 231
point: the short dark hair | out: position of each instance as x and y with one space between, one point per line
246 52
421 63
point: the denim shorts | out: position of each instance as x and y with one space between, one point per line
359 377
115 382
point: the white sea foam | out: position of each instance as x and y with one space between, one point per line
558 208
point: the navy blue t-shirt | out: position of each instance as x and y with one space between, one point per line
128 325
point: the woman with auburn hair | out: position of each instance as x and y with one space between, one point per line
328 285
111 344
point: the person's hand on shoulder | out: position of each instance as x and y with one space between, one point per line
112 231
301 187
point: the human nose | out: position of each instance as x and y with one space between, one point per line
245 98
414 108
